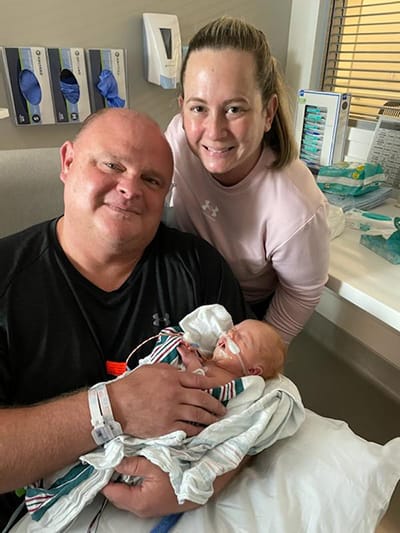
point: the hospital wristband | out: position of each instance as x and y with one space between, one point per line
105 428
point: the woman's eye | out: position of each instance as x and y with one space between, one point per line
233 110
197 108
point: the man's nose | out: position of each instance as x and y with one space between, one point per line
130 186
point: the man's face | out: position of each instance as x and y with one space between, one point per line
116 176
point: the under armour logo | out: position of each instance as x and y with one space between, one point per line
164 321
210 210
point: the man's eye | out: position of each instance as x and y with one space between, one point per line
112 166
155 182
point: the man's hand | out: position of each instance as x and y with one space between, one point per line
157 399
152 497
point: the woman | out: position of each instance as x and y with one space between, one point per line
238 180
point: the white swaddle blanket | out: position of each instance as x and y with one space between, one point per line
263 413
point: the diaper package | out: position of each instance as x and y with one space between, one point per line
350 179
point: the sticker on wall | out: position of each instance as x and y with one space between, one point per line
28 84
107 77
69 84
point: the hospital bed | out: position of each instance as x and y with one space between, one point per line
324 479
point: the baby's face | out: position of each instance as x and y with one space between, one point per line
242 347
227 354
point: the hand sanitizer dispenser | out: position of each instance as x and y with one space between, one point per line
162 49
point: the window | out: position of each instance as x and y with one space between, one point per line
363 56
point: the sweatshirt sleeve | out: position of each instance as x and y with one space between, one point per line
301 264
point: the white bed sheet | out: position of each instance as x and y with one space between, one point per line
324 479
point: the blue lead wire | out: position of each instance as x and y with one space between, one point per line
166 523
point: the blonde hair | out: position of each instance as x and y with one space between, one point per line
230 32
273 353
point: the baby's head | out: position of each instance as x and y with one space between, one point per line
252 347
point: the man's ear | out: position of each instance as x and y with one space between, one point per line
66 156
256 370
180 101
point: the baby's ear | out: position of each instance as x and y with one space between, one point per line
256 371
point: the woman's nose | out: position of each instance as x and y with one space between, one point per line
216 125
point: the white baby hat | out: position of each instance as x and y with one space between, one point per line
203 327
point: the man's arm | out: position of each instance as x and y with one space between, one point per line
151 401
38 440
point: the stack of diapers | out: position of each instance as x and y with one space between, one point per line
350 179
359 185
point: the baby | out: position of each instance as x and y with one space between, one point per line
250 348
240 359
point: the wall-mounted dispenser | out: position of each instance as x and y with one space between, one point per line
28 83
69 83
162 49
107 77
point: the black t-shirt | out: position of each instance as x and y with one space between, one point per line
57 329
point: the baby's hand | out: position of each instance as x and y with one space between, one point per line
192 346
190 357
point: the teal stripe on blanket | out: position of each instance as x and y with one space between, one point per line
228 391
38 501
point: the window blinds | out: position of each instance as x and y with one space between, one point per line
363 56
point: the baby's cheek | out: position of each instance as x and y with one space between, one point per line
220 354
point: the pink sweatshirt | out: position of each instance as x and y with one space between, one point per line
271 228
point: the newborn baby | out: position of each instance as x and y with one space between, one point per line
250 348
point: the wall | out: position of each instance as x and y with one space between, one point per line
99 23
307 33
274 19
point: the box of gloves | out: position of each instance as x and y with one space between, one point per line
69 82
107 77
28 82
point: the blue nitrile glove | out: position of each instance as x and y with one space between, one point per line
30 87
108 87
69 86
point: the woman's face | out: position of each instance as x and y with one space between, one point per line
223 114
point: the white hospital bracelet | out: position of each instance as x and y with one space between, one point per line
105 428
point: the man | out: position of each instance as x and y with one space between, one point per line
78 293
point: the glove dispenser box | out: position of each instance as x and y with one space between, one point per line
107 77
69 84
28 83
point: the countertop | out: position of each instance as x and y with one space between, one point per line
364 278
